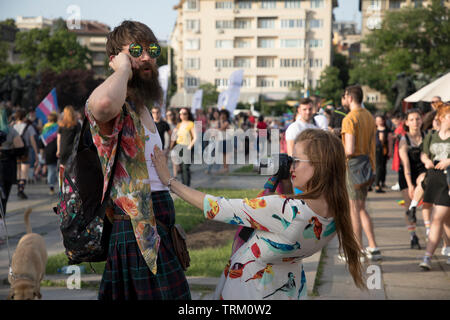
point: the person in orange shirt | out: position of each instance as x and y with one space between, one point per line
358 135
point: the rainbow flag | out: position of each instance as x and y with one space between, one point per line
49 133
49 104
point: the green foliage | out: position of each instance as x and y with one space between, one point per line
330 85
209 262
210 95
8 22
163 58
411 40
58 51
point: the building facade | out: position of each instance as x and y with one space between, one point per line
277 43
92 34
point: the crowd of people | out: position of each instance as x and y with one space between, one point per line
338 155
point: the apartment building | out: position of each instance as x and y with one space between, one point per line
276 43
92 34
373 12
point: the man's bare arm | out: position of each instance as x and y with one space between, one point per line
108 98
349 144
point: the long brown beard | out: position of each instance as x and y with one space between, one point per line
143 89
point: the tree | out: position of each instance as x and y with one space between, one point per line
411 40
72 86
58 51
330 85
210 95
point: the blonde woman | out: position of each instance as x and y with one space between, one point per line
68 129
286 228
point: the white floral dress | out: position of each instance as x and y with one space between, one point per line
269 265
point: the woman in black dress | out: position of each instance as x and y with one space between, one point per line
68 129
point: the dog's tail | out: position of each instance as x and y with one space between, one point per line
27 220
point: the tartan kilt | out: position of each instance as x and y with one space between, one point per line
127 276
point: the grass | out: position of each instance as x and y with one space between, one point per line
245 169
207 262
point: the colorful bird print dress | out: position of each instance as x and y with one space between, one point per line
269 265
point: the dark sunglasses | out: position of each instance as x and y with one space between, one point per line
135 49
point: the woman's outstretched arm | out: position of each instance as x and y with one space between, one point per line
188 194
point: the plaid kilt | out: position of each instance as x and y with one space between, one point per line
127 276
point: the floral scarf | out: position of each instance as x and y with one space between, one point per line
128 191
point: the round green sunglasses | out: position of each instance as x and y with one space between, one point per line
135 49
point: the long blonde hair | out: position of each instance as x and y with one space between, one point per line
327 156
69 119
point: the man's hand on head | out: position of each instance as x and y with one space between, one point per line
124 62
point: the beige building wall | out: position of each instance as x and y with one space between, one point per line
211 39
28 23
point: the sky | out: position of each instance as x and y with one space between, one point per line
158 14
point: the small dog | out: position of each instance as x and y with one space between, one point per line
28 265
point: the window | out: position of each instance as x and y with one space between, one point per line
224 5
224 44
221 83
192 82
192 25
315 63
265 82
375 5
242 43
244 4
98 56
315 43
191 5
292 4
290 63
266 23
192 63
224 63
246 83
316 23
290 83
242 62
292 43
192 44
268 4
315 4
242 23
266 62
418 3
394 4
224 24
266 43
291 23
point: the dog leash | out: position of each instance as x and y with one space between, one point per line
2 213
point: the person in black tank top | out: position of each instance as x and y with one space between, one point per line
412 170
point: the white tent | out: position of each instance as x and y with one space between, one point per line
439 87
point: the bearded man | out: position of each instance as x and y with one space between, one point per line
141 262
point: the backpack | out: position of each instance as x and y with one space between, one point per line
22 152
83 222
